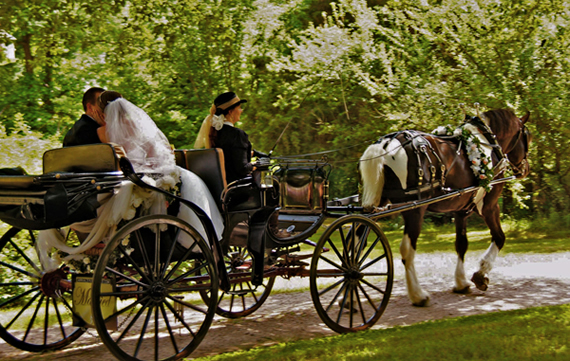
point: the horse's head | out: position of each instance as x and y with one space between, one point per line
513 137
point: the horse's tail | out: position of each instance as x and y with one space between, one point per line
372 172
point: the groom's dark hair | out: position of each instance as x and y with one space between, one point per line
90 96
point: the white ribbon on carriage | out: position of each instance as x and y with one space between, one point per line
149 151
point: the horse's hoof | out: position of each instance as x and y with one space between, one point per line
422 303
480 281
462 291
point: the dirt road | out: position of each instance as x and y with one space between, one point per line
517 281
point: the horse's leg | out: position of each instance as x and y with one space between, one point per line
413 223
462 284
491 215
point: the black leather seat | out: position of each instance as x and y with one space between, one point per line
81 159
208 164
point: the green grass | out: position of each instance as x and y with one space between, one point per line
522 236
530 334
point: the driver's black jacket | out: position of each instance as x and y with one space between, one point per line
236 146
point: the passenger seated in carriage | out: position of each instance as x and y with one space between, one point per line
135 134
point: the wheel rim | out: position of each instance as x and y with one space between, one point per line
351 280
243 298
159 314
35 305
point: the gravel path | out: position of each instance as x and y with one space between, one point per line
517 281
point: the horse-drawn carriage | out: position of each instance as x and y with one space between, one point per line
156 284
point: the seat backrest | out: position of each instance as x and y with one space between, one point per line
81 159
208 164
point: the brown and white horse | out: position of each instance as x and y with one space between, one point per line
407 166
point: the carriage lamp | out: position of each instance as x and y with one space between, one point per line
266 179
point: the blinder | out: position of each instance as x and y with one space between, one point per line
519 168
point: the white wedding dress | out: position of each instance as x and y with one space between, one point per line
149 152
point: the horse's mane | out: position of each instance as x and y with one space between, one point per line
502 122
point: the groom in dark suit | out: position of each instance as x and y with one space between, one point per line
84 131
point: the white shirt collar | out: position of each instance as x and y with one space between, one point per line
228 123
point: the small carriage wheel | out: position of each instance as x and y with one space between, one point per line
158 313
35 305
351 274
243 298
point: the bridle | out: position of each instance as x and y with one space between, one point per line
518 169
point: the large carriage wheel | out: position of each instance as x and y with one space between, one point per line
351 274
35 306
243 298
159 312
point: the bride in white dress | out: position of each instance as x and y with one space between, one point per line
149 151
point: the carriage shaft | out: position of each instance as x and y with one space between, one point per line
402 207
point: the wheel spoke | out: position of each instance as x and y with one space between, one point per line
170 253
25 256
362 241
17 269
180 261
157 267
143 331
7 284
156 334
189 305
144 254
360 305
379 258
367 296
351 305
133 321
331 287
16 298
352 245
196 287
172 339
370 249
180 319
123 276
139 270
342 303
187 273
372 286
59 318
33 319
336 297
127 308
344 269
23 309
46 319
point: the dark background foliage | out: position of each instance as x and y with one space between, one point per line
341 74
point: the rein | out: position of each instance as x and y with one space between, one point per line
524 162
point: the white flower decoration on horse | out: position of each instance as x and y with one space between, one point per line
480 163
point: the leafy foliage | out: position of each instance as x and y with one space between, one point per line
336 75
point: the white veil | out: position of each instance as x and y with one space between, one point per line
146 146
